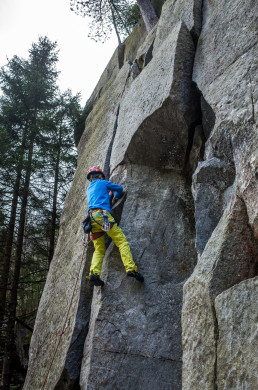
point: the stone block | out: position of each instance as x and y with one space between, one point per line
237 316
162 99
211 178
230 257
187 11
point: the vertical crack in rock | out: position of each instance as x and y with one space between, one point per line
70 376
216 339
149 55
195 140
66 383
253 260
208 117
198 17
252 99
109 151
120 54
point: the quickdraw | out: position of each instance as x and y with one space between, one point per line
106 226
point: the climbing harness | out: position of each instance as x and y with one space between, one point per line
93 236
106 226
66 321
86 225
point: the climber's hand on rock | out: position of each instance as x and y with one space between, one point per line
114 200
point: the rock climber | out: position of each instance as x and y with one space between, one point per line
99 209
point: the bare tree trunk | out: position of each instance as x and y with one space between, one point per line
115 26
9 238
148 14
10 337
8 251
54 216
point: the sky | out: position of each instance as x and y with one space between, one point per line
81 60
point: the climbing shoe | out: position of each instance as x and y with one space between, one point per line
136 275
95 279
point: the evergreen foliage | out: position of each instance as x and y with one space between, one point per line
38 159
106 15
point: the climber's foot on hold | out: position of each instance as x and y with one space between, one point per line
136 275
95 279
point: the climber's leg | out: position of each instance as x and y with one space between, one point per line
99 244
121 242
98 255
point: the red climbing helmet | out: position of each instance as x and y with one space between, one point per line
94 170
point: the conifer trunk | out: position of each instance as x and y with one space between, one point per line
10 336
9 238
8 251
148 14
115 26
54 207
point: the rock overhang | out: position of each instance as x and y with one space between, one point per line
163 100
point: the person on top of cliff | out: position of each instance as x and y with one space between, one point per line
99 209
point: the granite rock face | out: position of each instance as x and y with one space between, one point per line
65 264
134 337
230 256
237 348
210 181
157 134
173 122
224 71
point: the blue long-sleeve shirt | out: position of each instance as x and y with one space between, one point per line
98 196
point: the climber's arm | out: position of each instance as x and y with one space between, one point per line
116 189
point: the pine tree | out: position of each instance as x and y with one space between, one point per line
13 122
106 15
38 159
31 84
59 124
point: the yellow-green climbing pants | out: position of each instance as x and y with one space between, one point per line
100 248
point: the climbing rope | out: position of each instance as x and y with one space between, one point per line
65 326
